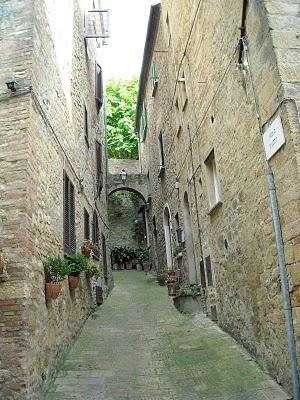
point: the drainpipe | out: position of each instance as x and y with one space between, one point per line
280 249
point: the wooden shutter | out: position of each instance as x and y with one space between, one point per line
86 225
99 86
95 236
99 172
66 226
105 274
208 271
86 126
202 274
69 216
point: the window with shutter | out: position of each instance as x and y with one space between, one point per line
95 236
143 123
99 171
154 77
208 271
69 216
86 126
105 272
86 225
99 86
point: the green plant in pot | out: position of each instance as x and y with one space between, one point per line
55 269
144 256
92 270
77 263
162 276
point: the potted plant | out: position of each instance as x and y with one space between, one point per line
86 248
77 263
92 270
130 255
1 264
162 277
144 257
55 269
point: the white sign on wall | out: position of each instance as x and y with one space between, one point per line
273 138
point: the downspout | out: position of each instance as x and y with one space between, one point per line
280 248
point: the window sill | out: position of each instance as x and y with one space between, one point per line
214 207
154 88
161 171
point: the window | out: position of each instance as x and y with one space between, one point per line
69 216
184 98
212 181
161 150
143 124
86 126
178 230
86 225
99 171
104 259
99 86
95 236
169 36
202 274
154 78
208 271
177 116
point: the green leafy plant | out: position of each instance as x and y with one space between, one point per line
162 276
144 254
55 268
92 269
121 103
121 254
77 263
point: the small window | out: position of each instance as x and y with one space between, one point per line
104 258
95 236
86 126
184 98
169 37
69 216
154 77
99 170
202 274
143 124
208 271
161 150
99 86
214 197
86 225
177 116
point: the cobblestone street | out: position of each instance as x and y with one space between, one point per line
137 346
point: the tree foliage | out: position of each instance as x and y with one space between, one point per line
121 102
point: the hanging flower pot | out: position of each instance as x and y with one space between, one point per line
1 264
52 290
73 281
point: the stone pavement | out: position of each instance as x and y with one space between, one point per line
137 346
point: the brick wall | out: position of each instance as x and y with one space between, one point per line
43 137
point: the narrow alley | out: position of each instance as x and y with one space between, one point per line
137 346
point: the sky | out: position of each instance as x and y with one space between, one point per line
122 57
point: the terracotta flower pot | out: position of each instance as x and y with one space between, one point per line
52 290
1 264
129 265
73 281
146 266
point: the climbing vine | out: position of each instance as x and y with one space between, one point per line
121 102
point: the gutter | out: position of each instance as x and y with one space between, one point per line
153 23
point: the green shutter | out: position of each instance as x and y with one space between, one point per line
143 123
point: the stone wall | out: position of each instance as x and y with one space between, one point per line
126 220
204 102
43 136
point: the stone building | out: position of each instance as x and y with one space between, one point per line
52 179
218 77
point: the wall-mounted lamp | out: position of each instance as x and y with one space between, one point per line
12 85
177 184
123 175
